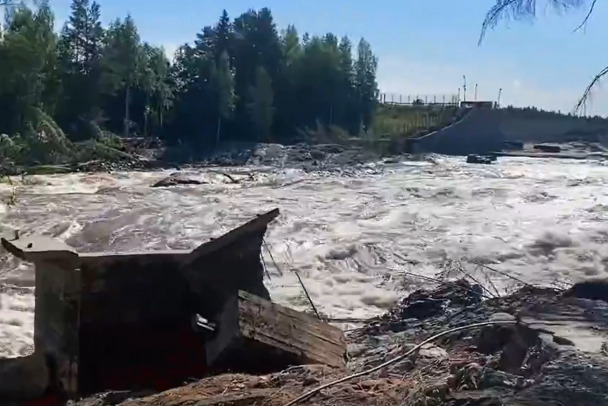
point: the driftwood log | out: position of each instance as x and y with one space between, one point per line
256 336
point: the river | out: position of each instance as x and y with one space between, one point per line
350 236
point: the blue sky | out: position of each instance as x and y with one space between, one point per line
424 47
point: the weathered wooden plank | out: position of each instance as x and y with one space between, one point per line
255 335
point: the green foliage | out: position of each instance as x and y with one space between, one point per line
41 142
410 121
111 140
27 66
365 82
92 150
222 80
64 96
261 105
325 134
79 52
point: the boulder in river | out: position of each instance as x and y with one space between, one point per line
547 148
593 289
479 159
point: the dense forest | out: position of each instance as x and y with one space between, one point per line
239 80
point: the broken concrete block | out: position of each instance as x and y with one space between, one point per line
24 378
122 321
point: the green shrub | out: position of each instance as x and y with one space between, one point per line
323 134
111 140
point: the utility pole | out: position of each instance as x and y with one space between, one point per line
499 94
475 91
464 87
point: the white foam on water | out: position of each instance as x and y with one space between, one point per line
348 237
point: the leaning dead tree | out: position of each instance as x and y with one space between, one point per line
526 10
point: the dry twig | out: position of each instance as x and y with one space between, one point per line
488 292
314 308
271 256
504 274
394 360
518 9
312 304
584 22
589 89
435 280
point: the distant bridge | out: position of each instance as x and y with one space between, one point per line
419 100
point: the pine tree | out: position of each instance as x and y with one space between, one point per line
344 115
365 79
205 43
222 38
162 90
292 49
123 63
223 82
80 49
261 105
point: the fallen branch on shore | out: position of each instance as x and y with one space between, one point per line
396 359
504 274
502 362
487 295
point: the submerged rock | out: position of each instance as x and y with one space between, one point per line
423 304
594 289
479 159
547 148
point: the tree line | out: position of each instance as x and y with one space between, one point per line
239 80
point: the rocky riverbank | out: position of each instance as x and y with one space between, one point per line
302 156
319 158
145 157
548 348
568 150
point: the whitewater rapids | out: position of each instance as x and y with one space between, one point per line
348 235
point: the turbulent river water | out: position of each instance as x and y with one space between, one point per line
350 235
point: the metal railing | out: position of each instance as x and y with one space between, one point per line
418 99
